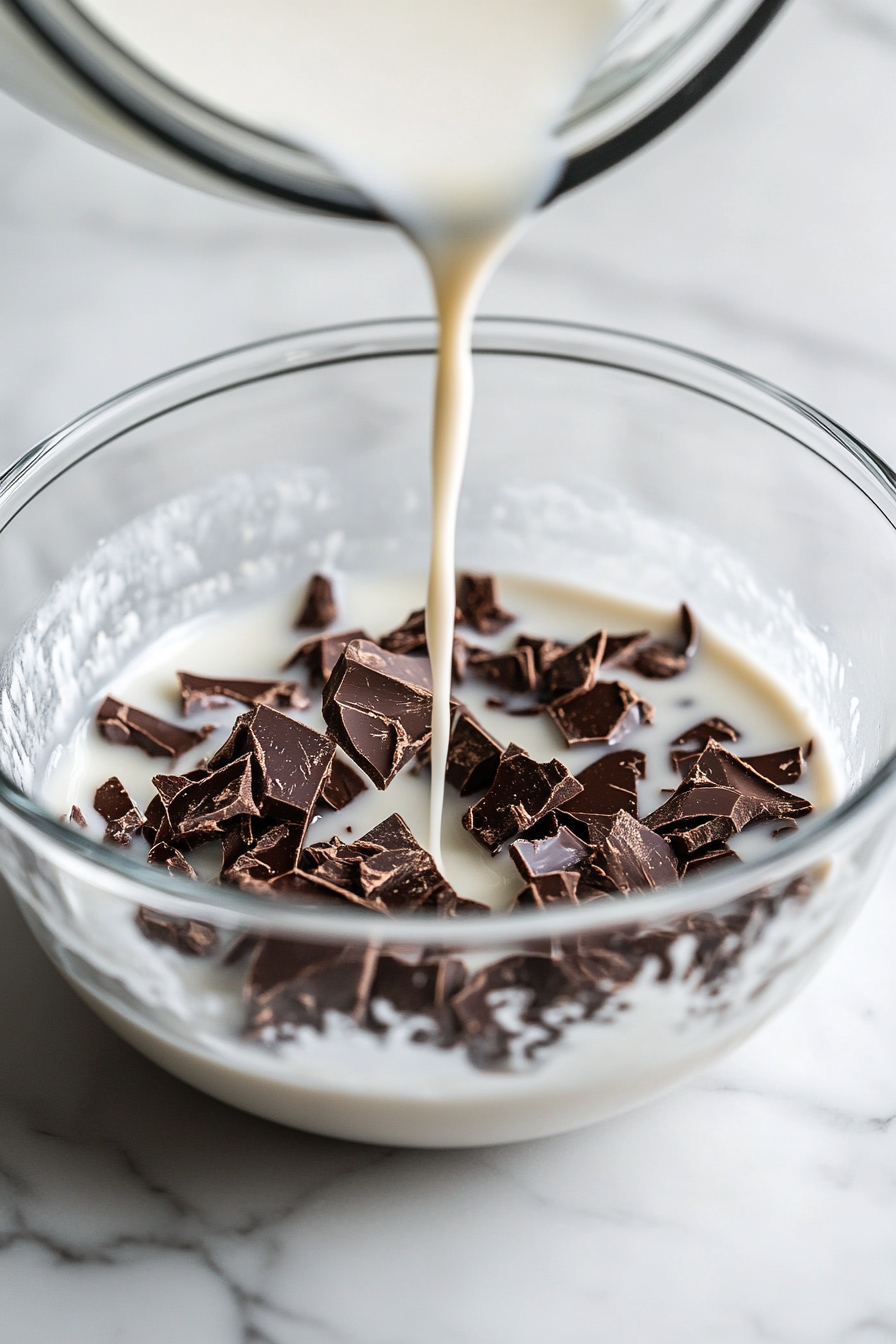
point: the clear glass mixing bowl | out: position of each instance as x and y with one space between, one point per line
633 467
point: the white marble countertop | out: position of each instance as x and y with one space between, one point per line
756 1204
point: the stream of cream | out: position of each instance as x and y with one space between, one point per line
442 112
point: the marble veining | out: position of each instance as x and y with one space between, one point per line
756 1204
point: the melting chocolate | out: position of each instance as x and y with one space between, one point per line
605 713
122 816
477 598
318 608
132 727
320 655
377 707
521 793
543 650
214 692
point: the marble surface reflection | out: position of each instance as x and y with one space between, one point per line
756 1204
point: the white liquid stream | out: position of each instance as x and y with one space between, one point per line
442 112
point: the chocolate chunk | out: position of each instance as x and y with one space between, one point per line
319 606
477 598
237 840
544 651
122 817
486 1033
274 854
378 708
205 807
610 785
410 639
710 858
337 982
214 692
781 767
700 735
634 857
77 817
719 797
320 655
166 855
605 713
192 937
659 659
419 989
513 671
576 668
343 784
620 649
291 760
521 793
128 726
473 755
552 854
550 889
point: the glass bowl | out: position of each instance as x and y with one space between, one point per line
631 467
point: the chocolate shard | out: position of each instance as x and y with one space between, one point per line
544 651
419 989
473 755
477 598
486 1032
320 655
620 649
634 857
191 937
291 761
702 733
605 713
237 840
77 817
165 855
274 854
521 793
550 889
609 785
513 671
206 807
342 786
214 692
378 707
409 638
721 795
575 669
122 816
552 854
710 858
659 659
324 980
128 726
781 767
318 607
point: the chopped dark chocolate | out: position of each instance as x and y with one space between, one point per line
473 755
701 733
513 671
291 760
338 982
77 817
521 793
552 854
605 713
543 650
192 937
342 785
378 708
551 889
620 649
781 767
275 853
477 599
166 855
409 638
128 726
609 785
543 981
214 692
321 654
709 858
205 807
121 815
575 669
721 795
419 989
657 659
318 608
634 857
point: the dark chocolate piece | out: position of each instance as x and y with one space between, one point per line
274 854
214 692
609 785
709 858
719 797
121 815
477 598
342 786
521 793
551 889
410 639
166 855
323 980
192 937
634 857
701 733
478 1006
605 713
473 755
419 988
319 606
575 669
544 651
77 817
552 854
781 767
659 659
378 708
513 671
320 655
205 807
620 649
128 726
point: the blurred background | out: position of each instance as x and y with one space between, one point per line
759 230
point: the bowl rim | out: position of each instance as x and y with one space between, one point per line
110 870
